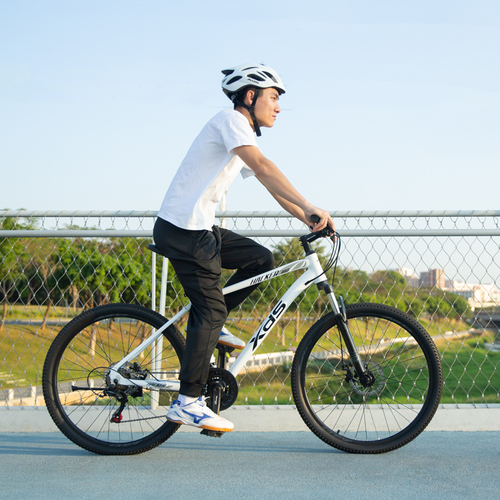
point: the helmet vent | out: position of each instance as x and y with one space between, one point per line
233 80
271 76
256 77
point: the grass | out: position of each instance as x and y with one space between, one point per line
22 353
38 312
471 371
269 387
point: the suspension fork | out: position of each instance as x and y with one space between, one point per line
341 318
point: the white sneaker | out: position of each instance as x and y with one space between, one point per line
227 338
198 414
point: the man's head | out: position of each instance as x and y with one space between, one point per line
244 84
265 109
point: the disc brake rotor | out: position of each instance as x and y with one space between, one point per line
376 388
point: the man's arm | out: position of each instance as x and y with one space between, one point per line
281 188
291 208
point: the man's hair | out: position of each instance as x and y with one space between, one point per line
241 94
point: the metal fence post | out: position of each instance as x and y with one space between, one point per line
158 347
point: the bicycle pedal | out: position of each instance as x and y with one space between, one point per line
215 434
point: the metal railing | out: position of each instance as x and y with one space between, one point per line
442 267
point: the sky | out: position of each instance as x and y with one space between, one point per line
390 105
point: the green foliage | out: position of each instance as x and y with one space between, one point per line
79 271
88 271
100 271
12 255
286 252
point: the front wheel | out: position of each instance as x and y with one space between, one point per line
86 405
392 405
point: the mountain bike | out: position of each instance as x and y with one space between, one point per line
365 378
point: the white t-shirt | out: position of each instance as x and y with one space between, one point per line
206 172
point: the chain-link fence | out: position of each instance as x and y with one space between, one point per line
441 267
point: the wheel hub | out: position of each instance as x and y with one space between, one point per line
372 382
130 371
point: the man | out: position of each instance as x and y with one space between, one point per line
197 249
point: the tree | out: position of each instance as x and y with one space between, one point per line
101 271
460 305
414 305
11 270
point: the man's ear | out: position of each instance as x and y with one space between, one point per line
249 97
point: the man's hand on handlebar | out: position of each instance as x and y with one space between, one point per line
320 219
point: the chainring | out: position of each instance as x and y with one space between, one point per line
228 384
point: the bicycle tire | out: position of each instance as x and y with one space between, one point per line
408 380
80 356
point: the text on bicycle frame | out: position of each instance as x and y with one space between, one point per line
275 315
277 272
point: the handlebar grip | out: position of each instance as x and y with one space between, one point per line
327 231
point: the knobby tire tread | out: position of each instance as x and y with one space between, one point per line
54 354
316 332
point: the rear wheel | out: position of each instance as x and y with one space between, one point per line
85 404
395 401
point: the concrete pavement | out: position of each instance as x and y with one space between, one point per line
251 465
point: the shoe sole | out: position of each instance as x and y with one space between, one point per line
206 427
231 345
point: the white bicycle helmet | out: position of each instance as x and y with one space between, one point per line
250 75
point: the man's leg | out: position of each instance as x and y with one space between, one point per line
206 318
248 257
195 256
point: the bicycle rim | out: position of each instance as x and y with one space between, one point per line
76 380
405 389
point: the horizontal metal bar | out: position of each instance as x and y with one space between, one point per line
77 233
77 213
257 233
380 233
249 214
369 214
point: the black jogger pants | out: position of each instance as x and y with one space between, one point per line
197 258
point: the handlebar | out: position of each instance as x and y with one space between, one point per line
326 232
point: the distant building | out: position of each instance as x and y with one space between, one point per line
433 278
409 275
478 295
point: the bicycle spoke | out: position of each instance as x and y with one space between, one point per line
107 417
375 413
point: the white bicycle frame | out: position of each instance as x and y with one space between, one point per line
313 274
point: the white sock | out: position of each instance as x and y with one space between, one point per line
185 400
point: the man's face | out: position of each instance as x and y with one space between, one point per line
266 107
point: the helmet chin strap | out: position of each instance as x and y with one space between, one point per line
251 110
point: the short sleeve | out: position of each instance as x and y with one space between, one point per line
236 131
246 172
